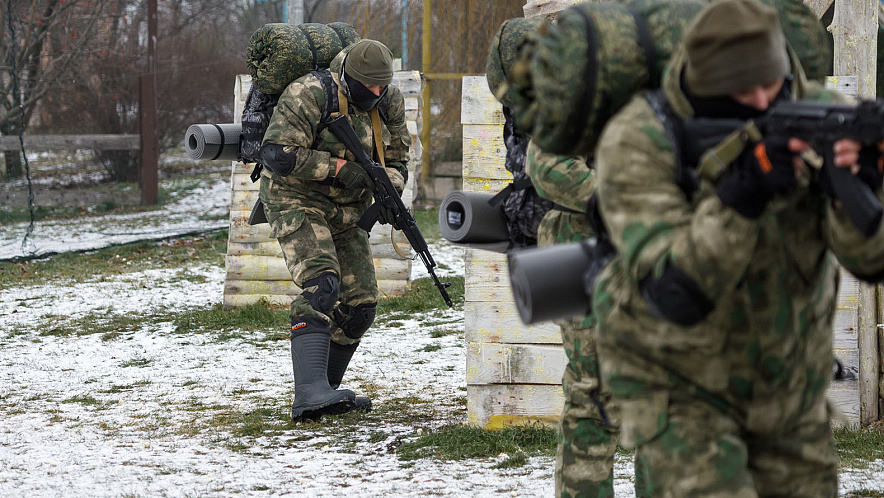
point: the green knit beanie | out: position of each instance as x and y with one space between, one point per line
370 62
734 45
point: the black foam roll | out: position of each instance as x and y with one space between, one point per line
547 282
213 141
467 218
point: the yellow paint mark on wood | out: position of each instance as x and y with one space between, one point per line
498 422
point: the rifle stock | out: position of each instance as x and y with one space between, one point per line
385 195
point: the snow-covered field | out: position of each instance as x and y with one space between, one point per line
155 411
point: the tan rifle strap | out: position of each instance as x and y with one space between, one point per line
378 137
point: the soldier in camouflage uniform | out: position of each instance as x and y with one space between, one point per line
715 319
313 193
587 439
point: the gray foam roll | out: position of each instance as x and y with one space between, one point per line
211 141
547 282
467 218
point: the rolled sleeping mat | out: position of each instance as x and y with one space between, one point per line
213 141
468 218
547 282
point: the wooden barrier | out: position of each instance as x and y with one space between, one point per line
72 142
255 267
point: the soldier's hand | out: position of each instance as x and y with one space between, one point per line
386 217
353 175
762 171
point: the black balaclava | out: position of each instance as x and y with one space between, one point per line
725 107
360 95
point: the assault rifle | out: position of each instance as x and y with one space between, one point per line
385 196
821 125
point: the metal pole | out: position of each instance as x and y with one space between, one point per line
404 35
426 64
294 11
148 110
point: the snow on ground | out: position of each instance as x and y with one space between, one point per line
134 415
200 209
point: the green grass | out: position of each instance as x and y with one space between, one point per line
258 316
114 261
428 221
422 296
459 442
858 447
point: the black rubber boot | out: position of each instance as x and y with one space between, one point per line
314 396
338 359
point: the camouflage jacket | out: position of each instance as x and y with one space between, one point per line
294 125
567 181
773 280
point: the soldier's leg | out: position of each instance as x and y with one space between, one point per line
693 449
586 443
355 313
310 256
799 463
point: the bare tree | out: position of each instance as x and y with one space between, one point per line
41 42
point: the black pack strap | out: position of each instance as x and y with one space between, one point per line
590 73
647 45
520 184
312 46
559 207
685 176
256 172
340 36
223 142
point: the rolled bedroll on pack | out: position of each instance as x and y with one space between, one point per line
213 141
598 55
280 53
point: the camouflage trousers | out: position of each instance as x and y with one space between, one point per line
320 244
703 451
586 446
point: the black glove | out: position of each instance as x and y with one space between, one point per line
759 173
352 176
386 217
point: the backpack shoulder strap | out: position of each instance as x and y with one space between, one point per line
331 99
686 175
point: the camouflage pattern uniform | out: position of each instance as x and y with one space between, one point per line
585 450
314 222
734 405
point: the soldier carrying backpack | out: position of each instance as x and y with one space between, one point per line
313 194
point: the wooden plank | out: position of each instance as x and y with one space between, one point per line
410 83
486 186
845 396
267 248
243 200
855 28
248 267
240 300
484 152
515 400
499 322
490 363
478 105
869 359
845 85
261 287
547 8
71 142
241 231
243 181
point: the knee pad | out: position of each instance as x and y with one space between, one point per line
328 288
355 320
